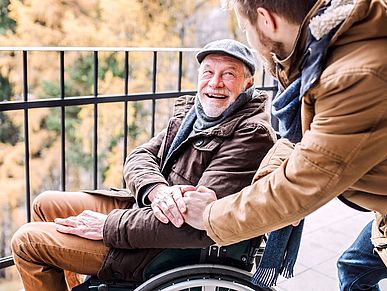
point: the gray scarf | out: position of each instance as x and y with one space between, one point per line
196 120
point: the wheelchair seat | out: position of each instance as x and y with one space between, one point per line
212 268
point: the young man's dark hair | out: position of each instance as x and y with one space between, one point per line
293 11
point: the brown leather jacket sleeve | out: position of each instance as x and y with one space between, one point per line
142 166
139 228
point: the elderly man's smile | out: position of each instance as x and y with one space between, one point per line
216 96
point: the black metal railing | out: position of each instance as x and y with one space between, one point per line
62 102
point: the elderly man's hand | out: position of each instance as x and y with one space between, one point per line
196 202
88 224
167 203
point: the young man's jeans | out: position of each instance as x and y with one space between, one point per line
360 268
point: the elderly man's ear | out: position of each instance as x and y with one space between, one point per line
250 82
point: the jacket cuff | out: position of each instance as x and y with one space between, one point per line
142 189
143 194
207 224
109 228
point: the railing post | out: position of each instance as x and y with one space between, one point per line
180 71
63 121
26 137
126 92
95 137
154 91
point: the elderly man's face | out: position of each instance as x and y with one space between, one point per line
221 79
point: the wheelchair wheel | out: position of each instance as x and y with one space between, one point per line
201 278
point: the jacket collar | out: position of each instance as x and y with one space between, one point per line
256 106
350 11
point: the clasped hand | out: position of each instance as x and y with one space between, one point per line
167 203
179 204
88 224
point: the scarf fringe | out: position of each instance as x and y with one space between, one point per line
265 277
288 269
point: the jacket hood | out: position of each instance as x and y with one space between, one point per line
363 20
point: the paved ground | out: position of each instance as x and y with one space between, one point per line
327 233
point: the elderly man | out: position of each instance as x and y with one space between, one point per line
217 138
330 57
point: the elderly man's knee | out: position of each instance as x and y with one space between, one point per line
44 198
21 238
41 203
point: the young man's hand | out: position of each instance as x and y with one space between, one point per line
88 224
196 202
167 203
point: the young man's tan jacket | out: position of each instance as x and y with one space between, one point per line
344 144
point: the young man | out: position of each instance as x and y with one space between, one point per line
217 138
330 58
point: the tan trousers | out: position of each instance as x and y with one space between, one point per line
41 253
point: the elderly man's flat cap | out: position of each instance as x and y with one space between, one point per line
231 48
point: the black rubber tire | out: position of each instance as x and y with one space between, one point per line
199 272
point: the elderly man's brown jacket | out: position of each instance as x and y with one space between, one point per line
224 157
344 144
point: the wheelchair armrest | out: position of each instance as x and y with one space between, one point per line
241 255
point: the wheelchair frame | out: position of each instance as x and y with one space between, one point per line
213 268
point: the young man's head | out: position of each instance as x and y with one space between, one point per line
271 27
226 70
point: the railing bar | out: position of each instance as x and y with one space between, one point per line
263 78
95 137
126 73
26 137
101 49
180 71
63 122
126 111
6 262
154 91
87 100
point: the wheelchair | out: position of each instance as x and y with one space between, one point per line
208 269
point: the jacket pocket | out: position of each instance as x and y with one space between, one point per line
190 166
113 192
205 144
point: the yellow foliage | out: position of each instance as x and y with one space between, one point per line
113 175
116 23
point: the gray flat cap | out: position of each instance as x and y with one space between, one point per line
229 47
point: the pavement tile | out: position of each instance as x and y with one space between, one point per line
328 268
314 253
309 281
327 233
298 269
331 238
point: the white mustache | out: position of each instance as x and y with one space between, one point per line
210 91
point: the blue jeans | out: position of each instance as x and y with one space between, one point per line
359 267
